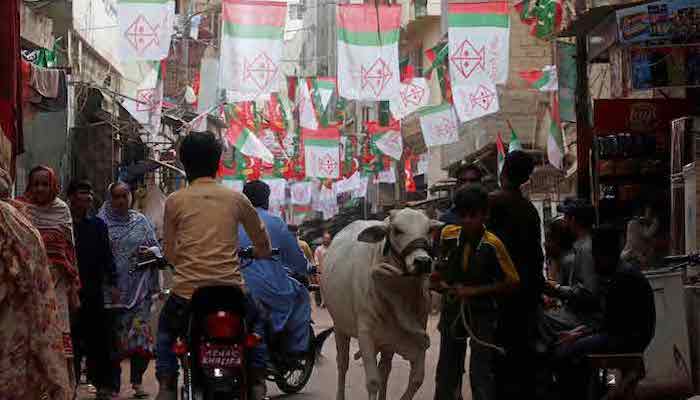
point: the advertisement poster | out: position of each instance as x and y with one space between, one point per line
664 66
677 21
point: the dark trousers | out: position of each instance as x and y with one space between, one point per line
91 334
515 375
450 367
574 374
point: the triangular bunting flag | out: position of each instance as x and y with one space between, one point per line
307 112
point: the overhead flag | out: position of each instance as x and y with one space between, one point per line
146 102
324 88
439 125
501 154
368 52
544 80
300 213
387 175
245 140
549 16
387 139
301 193
514 144
361 191
478 35
413 94
423 162
145 29
278 187
475 100
322 152
555 137
251 47
438 58
307 112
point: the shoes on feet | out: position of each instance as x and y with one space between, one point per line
139 393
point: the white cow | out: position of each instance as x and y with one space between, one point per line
375 287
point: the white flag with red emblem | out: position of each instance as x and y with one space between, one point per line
322 152
413 95
439 125
474 101
301 193
145 28
145 104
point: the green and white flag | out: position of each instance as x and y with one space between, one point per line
324 88
305 105
479 37
145 103
145 28
244 139
544 80
514 144
322 152
368 52
251 48
439 125
555 138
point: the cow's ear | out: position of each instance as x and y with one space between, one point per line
436 225
373 234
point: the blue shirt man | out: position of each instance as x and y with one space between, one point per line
272 282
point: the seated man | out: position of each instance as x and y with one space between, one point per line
629 315
201 226
285 299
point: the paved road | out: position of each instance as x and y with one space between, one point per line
323 382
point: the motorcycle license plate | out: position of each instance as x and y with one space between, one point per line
220 355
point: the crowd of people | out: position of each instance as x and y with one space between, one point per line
530 331
68 289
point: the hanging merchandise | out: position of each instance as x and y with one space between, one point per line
408 171
307 112
514 144
146 102
145 29
479 43
413 94
474 101
544 80
327 202
251 48
278 188
501 153
422 165
439 125
387 175
243 138
387 139
322 152
324 88
437 56
301 192
368 53
555 138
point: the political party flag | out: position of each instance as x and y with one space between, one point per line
322 152
368 52
145 104
244 139
549 16
514 144
408 171
439 125
437 56
544 80
423 162
361 191
251 47
307 112
501 154
301 192
278 187
555 138
145 28
235 184
475 100
387 175
478 35
324 88
300 213
413 94
387 139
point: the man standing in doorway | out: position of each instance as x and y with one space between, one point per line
319 255
514 219
90 323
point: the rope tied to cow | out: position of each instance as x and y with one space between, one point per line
470 332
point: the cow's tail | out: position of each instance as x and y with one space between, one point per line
499 349
321 339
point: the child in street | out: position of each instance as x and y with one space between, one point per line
477 275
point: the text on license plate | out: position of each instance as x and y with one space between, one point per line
220 356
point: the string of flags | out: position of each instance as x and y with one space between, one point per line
289 131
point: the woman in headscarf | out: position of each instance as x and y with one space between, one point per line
52 218
32 360
130 233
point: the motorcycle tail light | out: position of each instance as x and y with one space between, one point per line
252 340
223 325
180 348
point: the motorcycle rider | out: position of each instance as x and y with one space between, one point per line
201 227
283 297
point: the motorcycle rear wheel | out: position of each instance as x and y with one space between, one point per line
293 380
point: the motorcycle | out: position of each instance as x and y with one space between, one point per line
214 353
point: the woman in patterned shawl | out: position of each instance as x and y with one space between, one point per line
32 362
52 218
130 233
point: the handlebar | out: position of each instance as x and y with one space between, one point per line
682 259
247 252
